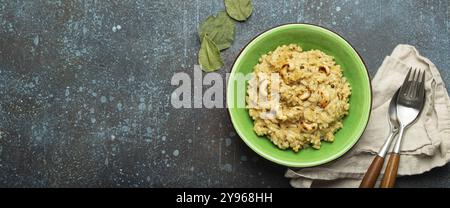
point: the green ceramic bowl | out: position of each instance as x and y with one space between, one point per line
308 37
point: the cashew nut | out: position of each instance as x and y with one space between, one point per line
308 127
284 73
305 95
323 100
324 69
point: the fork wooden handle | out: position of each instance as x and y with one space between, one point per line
371 176
390 174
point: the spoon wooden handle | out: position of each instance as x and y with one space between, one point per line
390 174
371 176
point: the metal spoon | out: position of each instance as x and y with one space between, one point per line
374 170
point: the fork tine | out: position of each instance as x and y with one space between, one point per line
411 88
413 75
422 85
405 86
423 77
417 84
408 75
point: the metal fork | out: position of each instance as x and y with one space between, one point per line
410 102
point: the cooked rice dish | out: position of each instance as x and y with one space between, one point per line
305 105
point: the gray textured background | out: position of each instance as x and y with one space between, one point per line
84 106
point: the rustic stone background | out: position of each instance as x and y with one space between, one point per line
85 102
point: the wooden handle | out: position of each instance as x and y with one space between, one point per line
371 176
390 174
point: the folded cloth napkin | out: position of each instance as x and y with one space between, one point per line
426 143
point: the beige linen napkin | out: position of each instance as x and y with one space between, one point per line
426 144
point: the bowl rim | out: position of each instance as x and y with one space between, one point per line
297 164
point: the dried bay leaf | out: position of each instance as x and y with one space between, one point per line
209 55
239 10
220 29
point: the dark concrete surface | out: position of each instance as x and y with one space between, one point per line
85 104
